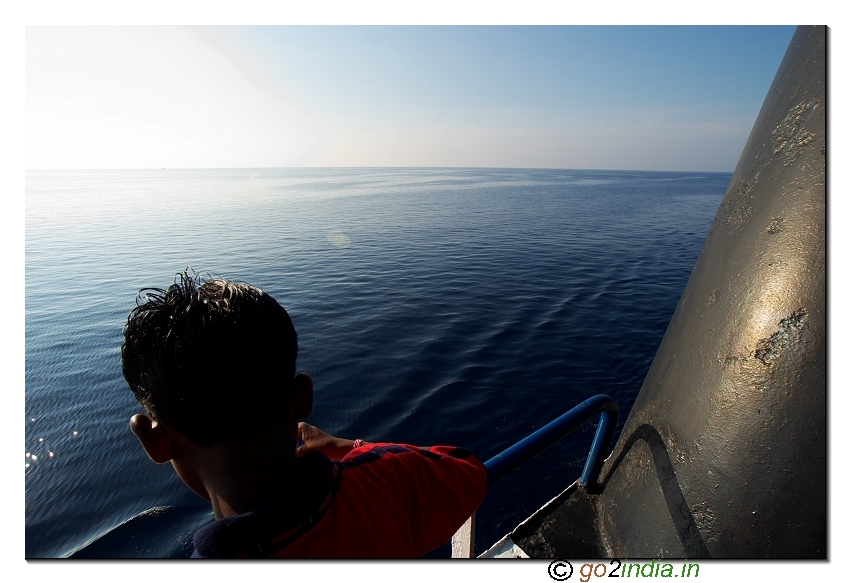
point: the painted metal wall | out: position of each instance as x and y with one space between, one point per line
724 452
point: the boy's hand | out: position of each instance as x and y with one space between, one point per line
316 439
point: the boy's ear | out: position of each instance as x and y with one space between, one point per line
302 396
153 437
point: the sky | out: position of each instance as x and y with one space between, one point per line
627 97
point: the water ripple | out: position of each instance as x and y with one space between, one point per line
464 306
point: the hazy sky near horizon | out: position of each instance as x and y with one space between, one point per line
646 98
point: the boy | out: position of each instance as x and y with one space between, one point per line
213 365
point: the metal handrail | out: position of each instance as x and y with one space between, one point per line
507 461
502 464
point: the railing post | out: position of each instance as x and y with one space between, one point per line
463 541
507 461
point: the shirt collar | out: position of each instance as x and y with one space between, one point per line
261 532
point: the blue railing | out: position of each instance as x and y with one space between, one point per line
504 463
500 465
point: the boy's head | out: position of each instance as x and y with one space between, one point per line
210 359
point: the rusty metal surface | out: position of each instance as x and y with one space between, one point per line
724 452
565 528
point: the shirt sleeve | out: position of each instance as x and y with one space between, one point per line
442 486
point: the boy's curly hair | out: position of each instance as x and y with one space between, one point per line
211 359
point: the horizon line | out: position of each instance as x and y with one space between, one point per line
375 168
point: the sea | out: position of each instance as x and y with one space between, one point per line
433 306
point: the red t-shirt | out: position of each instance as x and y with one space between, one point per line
380 500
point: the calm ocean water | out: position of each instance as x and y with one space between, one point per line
460 306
